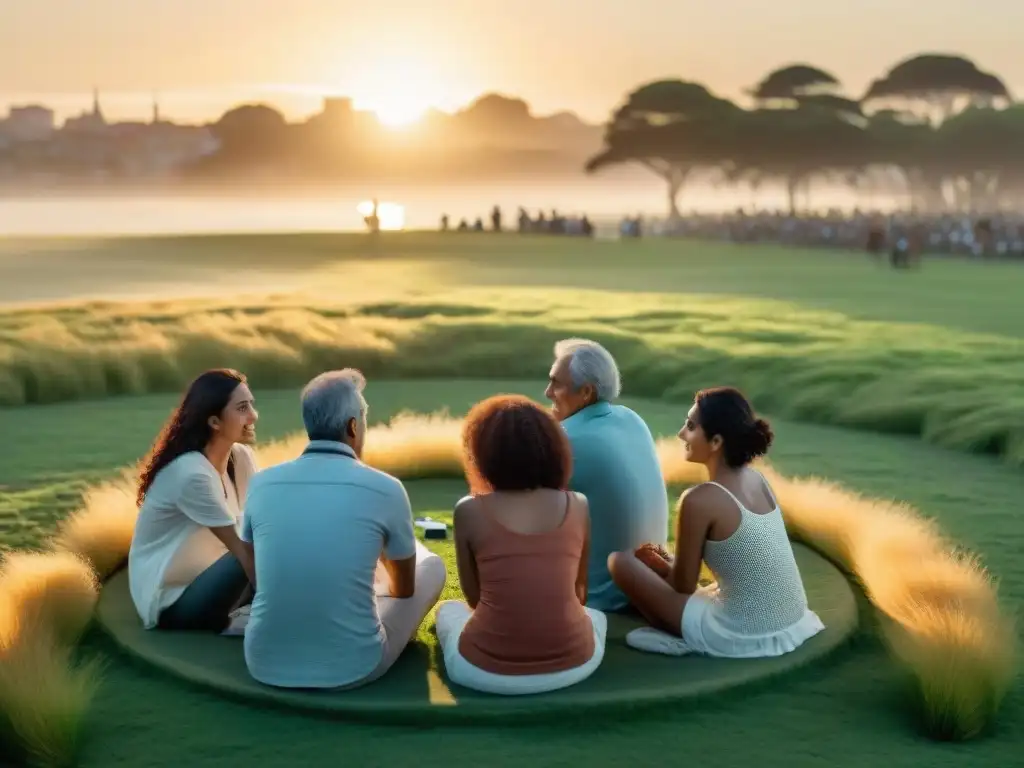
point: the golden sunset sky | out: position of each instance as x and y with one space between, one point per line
400 56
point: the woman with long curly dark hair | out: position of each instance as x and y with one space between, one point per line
521 544
187 567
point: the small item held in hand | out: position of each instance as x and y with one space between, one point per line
654 557
656 549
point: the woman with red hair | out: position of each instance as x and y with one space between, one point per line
521 545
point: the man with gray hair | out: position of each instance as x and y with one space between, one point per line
615 462
323 526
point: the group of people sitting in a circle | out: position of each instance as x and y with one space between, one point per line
566 520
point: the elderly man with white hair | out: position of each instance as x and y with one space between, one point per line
321 526
615 462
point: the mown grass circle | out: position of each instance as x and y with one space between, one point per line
416 690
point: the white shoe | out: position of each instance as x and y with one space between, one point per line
652 640
239 621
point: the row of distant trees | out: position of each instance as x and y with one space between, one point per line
949 131
490 136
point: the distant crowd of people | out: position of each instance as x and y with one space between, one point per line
554 223
892 233
545 223
900 237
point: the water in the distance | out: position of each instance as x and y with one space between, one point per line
600 197
94 263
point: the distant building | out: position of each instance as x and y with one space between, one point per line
337 107
88 122
27 123
88 146
159 147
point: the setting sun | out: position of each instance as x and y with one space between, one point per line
398 89
398 112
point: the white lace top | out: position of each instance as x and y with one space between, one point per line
759 585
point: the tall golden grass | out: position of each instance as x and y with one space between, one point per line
54 589
411 446
46 603
100 532
941 616
45 694
823 367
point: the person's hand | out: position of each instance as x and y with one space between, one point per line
656 558
656 549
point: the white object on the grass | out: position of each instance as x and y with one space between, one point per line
655 641
429 524
432 529
239 621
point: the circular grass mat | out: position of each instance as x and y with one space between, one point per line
417 691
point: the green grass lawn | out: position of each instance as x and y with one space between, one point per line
819 339
829 353
343 267
848 712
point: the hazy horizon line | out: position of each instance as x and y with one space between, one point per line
294 100
298 100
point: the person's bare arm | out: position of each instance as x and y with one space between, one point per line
400 542
469 579
402 575
691 533
581 575
242 550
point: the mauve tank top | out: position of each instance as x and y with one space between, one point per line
529 620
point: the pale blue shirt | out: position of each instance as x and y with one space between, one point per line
318 525
615 465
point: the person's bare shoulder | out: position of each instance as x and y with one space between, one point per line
700 500
464 512
580 502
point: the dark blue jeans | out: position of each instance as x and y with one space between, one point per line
208 601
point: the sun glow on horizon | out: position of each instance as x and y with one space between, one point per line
390 215
399 113
399 90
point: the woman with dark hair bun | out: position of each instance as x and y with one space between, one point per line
521 544
187 567
758 606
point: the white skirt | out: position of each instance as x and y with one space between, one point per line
704 631
452 617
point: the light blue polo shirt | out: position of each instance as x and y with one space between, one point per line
318 525
615 465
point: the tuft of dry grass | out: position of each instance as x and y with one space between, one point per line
414 446
942 617
101 531
411 446
44 695
49 590
9 623
46 602
675 468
